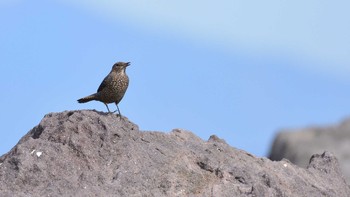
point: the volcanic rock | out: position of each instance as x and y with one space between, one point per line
89 153
297 145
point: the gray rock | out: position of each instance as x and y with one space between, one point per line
298 145
88 153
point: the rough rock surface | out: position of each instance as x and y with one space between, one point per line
88 153
298 145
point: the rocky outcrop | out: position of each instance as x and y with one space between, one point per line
298 145
88 153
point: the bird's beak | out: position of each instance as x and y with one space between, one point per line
127 63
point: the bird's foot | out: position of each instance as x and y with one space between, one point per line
118 114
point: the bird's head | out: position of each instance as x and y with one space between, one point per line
120 66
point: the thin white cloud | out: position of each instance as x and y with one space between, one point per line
316 30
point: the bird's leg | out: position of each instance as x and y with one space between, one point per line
118 110
107 108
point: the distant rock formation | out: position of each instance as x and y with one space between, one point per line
297 145
89 153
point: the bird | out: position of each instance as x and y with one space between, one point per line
112 88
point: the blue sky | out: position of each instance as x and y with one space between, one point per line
241 70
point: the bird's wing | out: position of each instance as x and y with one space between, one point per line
103 84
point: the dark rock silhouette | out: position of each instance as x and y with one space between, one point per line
297 145
88 153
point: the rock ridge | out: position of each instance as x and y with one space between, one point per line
90 153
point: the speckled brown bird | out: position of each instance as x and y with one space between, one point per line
112 88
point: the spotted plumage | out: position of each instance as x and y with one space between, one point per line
112 88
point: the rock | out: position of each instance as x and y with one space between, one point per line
88 153
298 145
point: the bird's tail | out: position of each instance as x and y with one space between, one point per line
87 98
